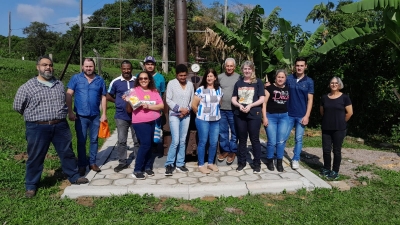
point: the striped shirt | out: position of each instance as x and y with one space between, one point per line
39 102
177 97
209 104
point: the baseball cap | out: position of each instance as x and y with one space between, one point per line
149 59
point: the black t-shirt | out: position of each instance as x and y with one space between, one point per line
277 99
334 112
247 93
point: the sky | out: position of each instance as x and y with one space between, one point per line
60 14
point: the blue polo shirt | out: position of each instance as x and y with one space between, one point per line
87 96
298 92
117 88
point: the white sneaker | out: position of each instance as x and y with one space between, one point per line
295 164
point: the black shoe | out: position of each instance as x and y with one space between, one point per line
139 176
82 171
81 180
241 168
324 172
168 170
279 165
120 167
333 175
270 164
182 169
149 172
257 169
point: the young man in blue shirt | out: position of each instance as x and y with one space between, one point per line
90 93
301 93
123 119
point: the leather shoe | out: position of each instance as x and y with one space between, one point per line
222 156
230 158
95 168
30 193
81 180
82 171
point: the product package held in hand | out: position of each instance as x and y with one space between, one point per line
132 98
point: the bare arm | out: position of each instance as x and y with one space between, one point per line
104 108
264 109
349 112
195 103
110 98
305 119
68 100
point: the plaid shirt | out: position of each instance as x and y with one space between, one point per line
38 102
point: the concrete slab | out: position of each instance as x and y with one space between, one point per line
318 182
80 191
175 191
217 189
274 186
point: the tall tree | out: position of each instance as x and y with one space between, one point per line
39 39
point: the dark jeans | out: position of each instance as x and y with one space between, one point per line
123 128
83 126
145 135
332 141
39 137
248 128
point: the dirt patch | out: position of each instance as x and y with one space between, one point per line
187 208
85 201
209 198
351 160
24 156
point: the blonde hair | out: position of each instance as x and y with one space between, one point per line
253 78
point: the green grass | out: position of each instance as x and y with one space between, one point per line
376 203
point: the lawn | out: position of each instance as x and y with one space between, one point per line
375 203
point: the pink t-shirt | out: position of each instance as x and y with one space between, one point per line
141 115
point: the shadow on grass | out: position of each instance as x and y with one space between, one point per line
52 180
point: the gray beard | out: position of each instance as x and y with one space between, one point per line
46 76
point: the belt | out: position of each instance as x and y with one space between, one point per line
50 122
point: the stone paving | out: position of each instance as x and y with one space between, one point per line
194 184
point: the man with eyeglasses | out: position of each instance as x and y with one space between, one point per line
123 119
41 100
90 93
301 92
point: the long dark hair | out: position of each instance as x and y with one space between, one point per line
204 80
151 84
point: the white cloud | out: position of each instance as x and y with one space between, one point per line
34 13
71 3
63 24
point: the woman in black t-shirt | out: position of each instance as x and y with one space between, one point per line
336 109
248 95
276 119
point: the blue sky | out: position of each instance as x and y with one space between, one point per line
59 13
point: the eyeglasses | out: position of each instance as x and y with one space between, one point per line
334 83
46 65
143 78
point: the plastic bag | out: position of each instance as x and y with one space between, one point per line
132 98
104 130
158 133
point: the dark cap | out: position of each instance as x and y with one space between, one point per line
149 59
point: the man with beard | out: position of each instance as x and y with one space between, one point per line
123 119
41 100
89 90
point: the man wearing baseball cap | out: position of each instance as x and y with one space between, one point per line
150 67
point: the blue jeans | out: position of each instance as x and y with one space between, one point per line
145 135
39 137
83 124
225 123
248 128
207 130
298 136
277 133
179 128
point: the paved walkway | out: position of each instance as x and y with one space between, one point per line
191 185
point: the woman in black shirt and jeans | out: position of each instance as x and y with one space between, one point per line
336 109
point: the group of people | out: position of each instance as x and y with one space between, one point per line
229 108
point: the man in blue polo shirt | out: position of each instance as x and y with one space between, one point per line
90 92
123 119
301 92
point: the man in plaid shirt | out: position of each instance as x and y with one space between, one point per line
41 100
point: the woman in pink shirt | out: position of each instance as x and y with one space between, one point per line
143 120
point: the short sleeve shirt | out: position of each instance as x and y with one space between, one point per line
117 88
334 112
87 95
209 106
277 100
248 93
